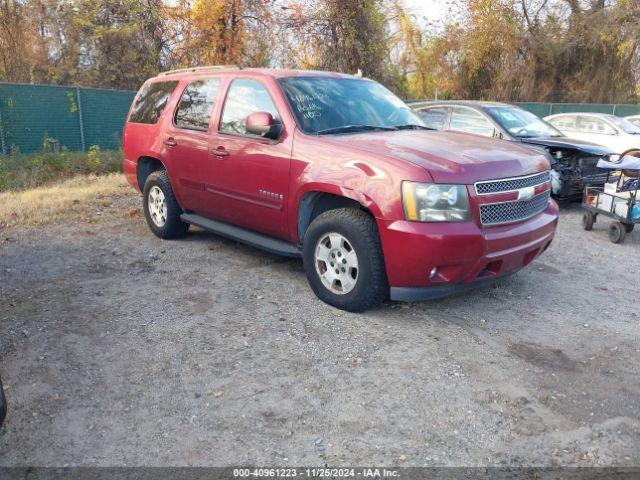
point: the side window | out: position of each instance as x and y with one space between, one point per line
567 123
595 125
470 121
196 105
152 99
434 117
244 98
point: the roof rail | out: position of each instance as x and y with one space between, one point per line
198 69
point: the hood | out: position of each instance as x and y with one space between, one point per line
566 142
450 157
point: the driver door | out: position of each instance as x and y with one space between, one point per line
249 180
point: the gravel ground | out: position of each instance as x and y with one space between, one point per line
119 349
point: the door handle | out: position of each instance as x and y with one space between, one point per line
220 152
170 142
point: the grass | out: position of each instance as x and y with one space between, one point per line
25 171
76 198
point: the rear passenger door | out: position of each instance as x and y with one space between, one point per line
186 140
249 181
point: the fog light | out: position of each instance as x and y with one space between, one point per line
433 273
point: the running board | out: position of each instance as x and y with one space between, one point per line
255 239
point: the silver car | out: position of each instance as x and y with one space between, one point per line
615 133
635 119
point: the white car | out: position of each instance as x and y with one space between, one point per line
635 119
615 133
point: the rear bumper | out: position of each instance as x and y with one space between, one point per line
130 169
464 255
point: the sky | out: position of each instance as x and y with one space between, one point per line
437 11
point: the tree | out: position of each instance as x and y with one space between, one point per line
536 50
220 32
340 35
15 37
532 50
116 42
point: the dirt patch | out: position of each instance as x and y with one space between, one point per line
541 356
80 198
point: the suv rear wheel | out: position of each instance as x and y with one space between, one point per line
161 208
343 260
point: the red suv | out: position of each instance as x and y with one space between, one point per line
337 170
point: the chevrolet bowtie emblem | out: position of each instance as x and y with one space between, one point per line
526 193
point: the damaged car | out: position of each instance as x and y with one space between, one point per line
573 161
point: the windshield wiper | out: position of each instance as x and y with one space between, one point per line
352 128
413 126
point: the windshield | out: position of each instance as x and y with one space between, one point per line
324 105
623 124
634 120
522 124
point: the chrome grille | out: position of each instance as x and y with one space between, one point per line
499 213
511 184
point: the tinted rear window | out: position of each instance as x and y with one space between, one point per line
151 101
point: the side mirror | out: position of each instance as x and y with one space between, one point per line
262 124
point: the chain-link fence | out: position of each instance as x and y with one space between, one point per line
37 117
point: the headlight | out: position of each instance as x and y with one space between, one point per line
430 202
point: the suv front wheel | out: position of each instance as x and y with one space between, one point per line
161 209
343 260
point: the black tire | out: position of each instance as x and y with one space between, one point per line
360 230
588 219
617 232
173 227
630 227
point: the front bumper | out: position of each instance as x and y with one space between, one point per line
414 294
463 254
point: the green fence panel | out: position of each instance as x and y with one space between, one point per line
539 109
32 112
70 117
544 109
103 114
582 107
627 110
